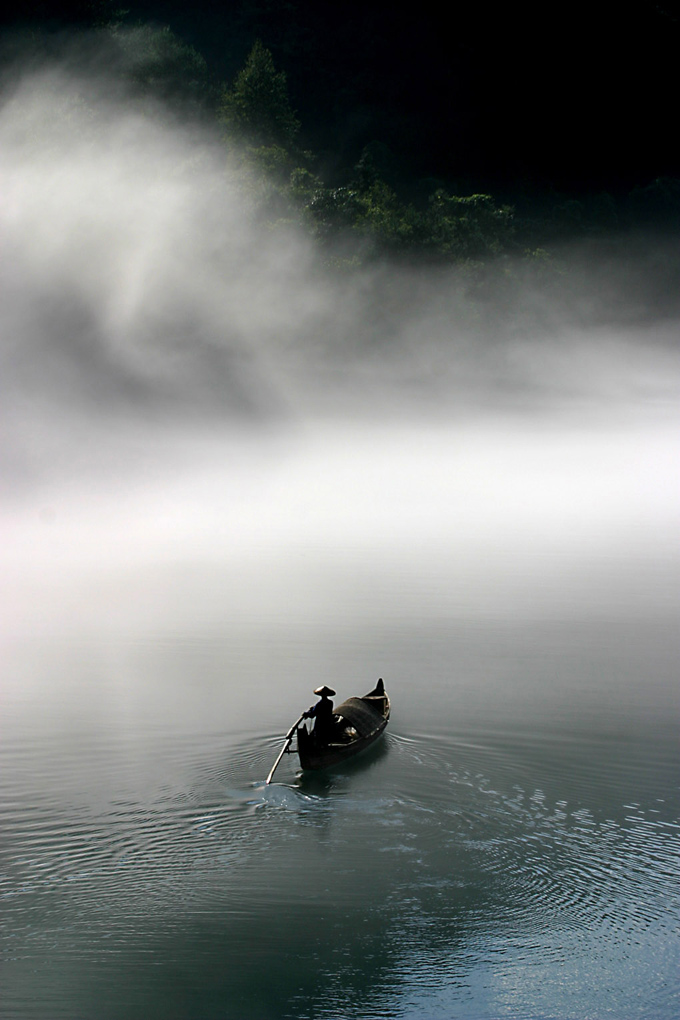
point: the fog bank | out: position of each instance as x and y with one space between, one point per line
187 384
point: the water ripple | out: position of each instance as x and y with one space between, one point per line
460 847
553 863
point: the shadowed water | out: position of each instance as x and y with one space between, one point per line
202 523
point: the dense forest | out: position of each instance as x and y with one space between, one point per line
461 136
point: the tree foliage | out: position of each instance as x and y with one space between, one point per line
371 213
657 205
257 108
374 207
472 226
156 62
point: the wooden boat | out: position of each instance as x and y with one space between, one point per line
358 724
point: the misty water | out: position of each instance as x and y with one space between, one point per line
231 474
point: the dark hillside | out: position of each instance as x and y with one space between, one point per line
579 99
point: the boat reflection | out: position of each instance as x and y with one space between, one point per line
323 783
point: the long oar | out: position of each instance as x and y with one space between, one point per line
288 740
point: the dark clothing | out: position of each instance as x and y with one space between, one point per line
324 722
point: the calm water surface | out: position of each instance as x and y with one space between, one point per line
509 850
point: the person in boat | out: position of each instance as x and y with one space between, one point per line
322 713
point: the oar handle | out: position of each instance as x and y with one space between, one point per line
288 738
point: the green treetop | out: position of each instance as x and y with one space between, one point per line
257 107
